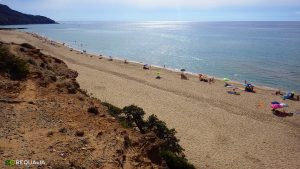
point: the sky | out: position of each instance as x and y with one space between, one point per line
160 10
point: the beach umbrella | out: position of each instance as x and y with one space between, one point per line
248 85
226 79
277 105
275 102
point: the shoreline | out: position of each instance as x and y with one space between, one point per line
217 129
176 70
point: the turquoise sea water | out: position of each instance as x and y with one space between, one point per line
264 53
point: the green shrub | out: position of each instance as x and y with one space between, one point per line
123 122
171 151
135 115
27 45
152 121
112 110
93 110
171 143
14 66
19 69
175 162
84 92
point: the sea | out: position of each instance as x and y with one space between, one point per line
263 53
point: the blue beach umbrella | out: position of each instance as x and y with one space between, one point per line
275 102
248 85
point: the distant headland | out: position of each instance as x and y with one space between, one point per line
12 17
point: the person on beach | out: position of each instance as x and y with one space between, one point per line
226 84
278 92
125 61
183 76
249 88
234 91
158 75
110 58
146 67
200 76
209 80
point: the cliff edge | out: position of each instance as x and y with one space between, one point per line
12 17
45 116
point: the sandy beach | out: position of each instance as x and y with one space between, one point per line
217 129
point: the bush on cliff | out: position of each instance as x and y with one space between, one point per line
93 110
175 162
112 110
171 142
27 45
134 117
16 68
170 151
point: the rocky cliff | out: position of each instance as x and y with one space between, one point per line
12 17
44 115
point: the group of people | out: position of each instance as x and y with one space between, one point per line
183 76
288 95
204 78
147 67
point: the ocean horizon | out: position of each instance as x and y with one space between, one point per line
265 53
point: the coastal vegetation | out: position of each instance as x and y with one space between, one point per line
93 110
12 66
170 151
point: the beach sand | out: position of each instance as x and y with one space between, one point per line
217 129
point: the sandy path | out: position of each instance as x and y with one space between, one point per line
218 130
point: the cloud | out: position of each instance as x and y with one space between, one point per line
162 3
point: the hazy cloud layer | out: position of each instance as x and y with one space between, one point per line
161 3
160 9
